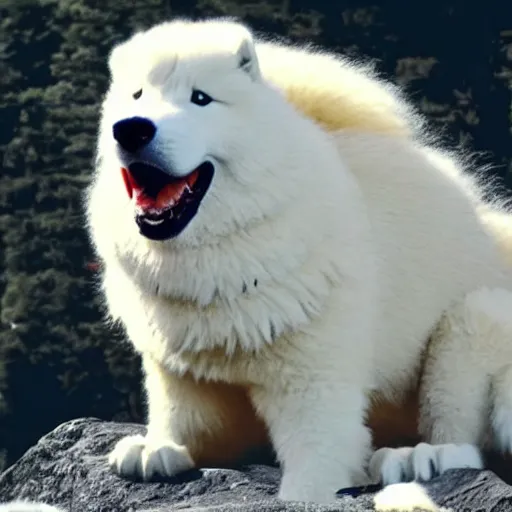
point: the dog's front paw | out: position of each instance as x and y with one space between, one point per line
422 462
139 457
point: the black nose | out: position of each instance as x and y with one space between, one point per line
134 133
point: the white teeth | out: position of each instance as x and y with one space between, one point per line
153 222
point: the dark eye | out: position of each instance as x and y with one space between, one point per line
137 95
200 98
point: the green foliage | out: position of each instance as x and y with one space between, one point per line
58 359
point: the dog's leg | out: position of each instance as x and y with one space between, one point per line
190 424
314 404
465 382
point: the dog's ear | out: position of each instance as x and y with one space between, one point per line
122 54
115 57
247 58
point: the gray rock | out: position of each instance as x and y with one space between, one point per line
67 469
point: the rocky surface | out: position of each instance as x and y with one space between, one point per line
67 468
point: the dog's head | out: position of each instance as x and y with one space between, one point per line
191 132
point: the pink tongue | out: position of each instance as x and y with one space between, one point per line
169 195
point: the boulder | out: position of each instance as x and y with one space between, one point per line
68 469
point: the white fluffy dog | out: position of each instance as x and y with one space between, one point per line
274 272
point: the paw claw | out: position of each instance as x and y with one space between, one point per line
421 463
143 458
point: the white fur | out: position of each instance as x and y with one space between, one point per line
422 462
314 272
474 342
149 457
405 497
27 506
501 419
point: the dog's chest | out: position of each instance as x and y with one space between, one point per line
227 340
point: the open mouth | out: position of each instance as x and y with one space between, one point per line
165 204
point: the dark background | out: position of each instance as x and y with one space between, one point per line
57 358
